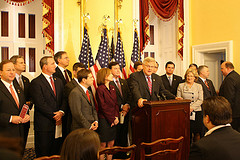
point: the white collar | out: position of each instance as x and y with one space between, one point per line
61 69
84 88
203 79
215 128
46 76
6 83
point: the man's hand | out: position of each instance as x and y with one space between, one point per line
179 98
58 116
58 122
17 120
125 109
26 118
94 125
140 102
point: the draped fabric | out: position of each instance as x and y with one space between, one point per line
48 24
164 10
18 2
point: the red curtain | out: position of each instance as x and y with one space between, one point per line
165 10
48 19
18 2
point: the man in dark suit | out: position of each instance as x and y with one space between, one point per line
170 80
11 102
230 89
24 83
47 95
147 86
62 60
221 141
124 100
207 85
81 103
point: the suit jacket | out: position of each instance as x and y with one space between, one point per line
59 74
207 92
107 103
125 98
195 94
9 107
83 111
230 89
139 87
69 87
223 143
46 103
175 82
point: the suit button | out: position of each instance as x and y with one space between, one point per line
192 97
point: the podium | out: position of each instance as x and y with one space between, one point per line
162 119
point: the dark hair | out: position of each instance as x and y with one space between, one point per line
229 65
169 62
78 65
58 55
14 58
157 64
43 61
3 63
200 68
112 64
83 73
218 109
101 75
193 64
136 64
81 144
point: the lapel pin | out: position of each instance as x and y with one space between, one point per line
24 80
55 79
18 91
122 84
154 80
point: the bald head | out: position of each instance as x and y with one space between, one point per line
226 68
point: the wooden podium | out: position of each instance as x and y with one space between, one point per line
162 119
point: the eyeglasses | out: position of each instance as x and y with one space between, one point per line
150 66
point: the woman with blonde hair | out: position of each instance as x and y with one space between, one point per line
81 144
108 110
193 91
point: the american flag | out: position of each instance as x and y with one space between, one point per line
86 58
102 58
119 56
112 49
135 52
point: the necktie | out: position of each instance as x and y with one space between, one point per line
87 93
149 85
170 80
206 84
21 83
53 86
14 95
66 76
119 87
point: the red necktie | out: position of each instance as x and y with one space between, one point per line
53 86
14 95
206 84
66 76
87 93
149 85
119 86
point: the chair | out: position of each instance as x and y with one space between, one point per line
162 149
54 157
116 149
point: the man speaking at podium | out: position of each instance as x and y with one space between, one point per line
148 86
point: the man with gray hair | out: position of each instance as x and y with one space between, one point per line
146 85
230 89
207 85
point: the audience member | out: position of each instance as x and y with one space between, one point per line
108 110
11 103
24 83
170 80
193 66
230 89
137 66
194 92
81 144
124 100
47 95
81 103
146 85
221 141
155 69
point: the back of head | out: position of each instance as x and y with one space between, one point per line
218 109
81 144
78 65
83 73
229 65
136 64
15 57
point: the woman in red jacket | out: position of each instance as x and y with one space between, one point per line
108 110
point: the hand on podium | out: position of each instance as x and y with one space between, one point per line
140 102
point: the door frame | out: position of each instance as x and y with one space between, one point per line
198 51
